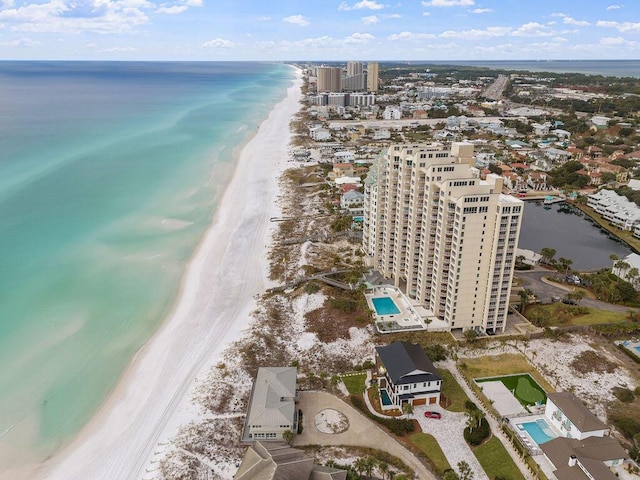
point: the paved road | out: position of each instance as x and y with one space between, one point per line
362 432
545 291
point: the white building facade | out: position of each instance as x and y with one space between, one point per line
442 234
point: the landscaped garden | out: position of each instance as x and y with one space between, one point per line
560 314
355 382
495 460
522 386
454 396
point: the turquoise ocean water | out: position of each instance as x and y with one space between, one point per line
109 176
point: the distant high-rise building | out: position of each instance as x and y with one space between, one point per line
355 68
329 79
441 233
372 76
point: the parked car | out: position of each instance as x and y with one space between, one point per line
432 415
569 301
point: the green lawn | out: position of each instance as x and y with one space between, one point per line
355 383
452 390
559 314
496 461
505 364
527 391
429 446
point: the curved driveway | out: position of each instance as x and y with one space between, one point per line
362 432
545 291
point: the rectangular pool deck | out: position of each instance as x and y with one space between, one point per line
533 431
393 311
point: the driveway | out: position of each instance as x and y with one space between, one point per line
448 432
546 290
362 432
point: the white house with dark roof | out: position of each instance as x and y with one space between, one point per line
272 408
585 451
572 418
406 375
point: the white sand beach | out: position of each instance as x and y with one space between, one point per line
217 297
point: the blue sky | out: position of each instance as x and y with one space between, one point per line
319 29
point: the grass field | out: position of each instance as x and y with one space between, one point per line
496 461
355 383
452 390
559 314
498 365
524 388
430 447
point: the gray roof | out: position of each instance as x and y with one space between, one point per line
591 452
407 363
575 411
279 461
272 399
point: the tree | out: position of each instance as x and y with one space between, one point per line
359 466
451 475
464 470
525 296
287 436
579 295
407 408
384 469
369 464
470 335
548 254
565 263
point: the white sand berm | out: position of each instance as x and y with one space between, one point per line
217 297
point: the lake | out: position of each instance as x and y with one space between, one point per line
572 236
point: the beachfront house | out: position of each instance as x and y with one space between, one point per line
279 461
572 418
585 451
406 375
272 408
353 202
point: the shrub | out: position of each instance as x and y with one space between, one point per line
627 425
311 287
623 394
477 435
436 352
469 405
397 426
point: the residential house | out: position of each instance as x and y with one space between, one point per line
392 113
345 156
594 151
406 375
319 134
600 121
537 181
572 418
615 208
628 268
272 408
281 462
353 201
584 451
556 154
541 129
341 170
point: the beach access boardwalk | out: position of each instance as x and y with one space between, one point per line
362 432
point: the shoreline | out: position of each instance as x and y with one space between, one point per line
213 306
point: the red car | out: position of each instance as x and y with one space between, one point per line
432 415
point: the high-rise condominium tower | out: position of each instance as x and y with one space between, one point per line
372 76
329 79
441 233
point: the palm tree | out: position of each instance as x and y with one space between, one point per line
548 254
565 263
632 275
384 469
407 408
370 463
525 296
287 436
579 295
359 466
465 470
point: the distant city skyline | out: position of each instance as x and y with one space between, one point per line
336 30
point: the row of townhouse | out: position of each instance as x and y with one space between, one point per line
616 209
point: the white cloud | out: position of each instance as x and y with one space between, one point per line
620 26
370 20
358 38
264 19
296 20
173 10
614 7
118 50
218 43
410 36
448 3
98 16
20 43
619 41
6 4
488 32
481 10
533 29
426 14
568 20
363 4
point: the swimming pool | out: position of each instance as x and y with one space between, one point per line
385 306
384 397
637 348
539 431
